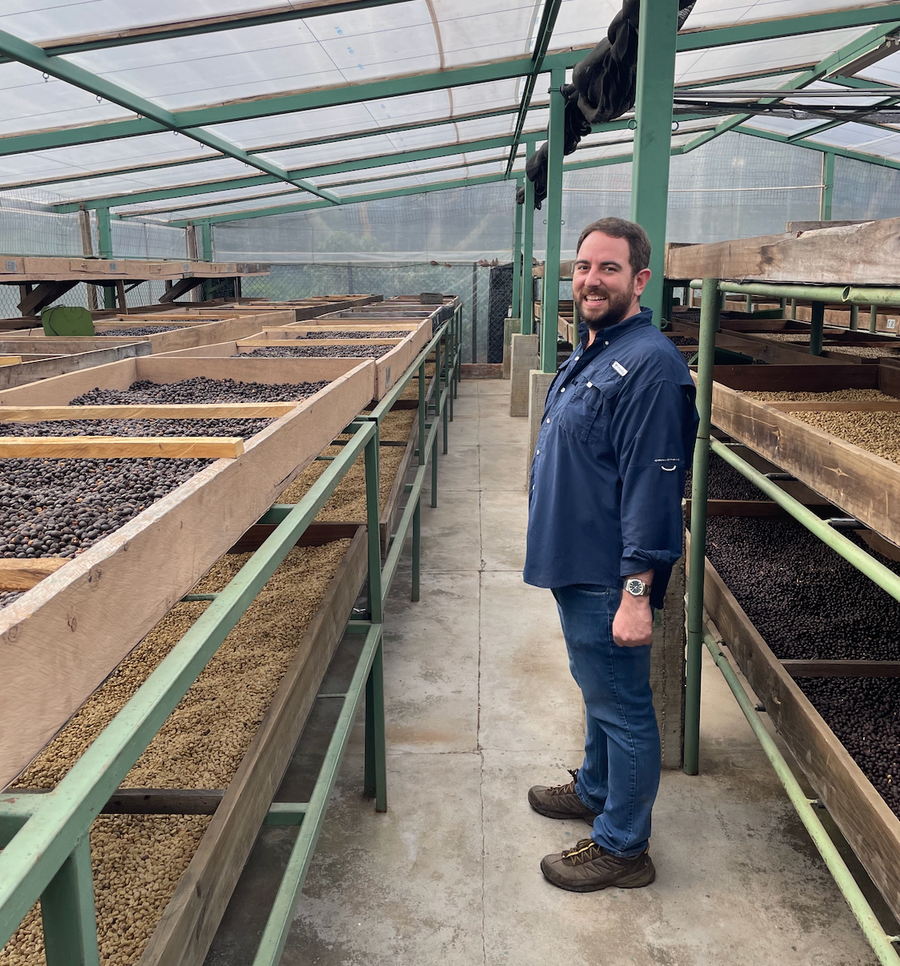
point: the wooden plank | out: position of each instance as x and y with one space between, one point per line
861 254
62 639
865 485
29 372
120 447
37 414
190 919
862 815
43 295
850 669
10 360
797 378
25 574
841 406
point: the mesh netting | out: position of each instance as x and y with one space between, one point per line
863 190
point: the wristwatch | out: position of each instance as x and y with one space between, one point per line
636 587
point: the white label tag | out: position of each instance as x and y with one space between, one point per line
622 371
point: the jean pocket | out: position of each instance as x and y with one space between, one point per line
592 590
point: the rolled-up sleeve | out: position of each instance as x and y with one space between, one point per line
652 432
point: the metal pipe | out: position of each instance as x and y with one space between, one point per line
793 308
516 307
876 936
854 317
873 318
528 252
709 316
886 579
813 293
555 145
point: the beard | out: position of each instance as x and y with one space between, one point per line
606 314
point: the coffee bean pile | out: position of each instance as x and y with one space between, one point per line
682 340
59 507
9 596
357 351
806 601
142 330
356 334
199 389
725 483
693 315
864 714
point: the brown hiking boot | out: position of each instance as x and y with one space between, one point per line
588 868
560 801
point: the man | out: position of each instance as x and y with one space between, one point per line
604 530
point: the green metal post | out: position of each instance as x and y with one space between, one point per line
447 404
854 317
550 302
104 230
416 550
376 750
67 912
206 240
748 305
783 306
517 260
699 480
375 607
528 254
434 471
816 328
793 308
653 137
827 196
873 318
422 413
668 301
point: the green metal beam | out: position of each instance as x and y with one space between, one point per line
828 125
861 83
653 138
827 187
550 290
517 260
527 327
32 56
542 42
339 167
845 55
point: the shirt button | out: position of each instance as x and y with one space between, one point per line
548 420
537 452
563 389
606 343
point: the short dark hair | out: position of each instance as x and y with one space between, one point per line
638 242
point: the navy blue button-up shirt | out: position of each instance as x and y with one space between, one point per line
608 472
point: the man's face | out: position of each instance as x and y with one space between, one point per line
604 288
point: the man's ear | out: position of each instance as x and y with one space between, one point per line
640 280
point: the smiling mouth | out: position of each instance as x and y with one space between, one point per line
595 299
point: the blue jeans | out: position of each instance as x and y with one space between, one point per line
620 775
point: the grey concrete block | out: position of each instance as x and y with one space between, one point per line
524 356
511 327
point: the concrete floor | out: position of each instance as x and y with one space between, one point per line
480 705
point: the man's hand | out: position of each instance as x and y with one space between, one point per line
633 623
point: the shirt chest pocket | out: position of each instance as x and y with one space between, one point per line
586 411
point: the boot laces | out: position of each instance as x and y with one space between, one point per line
568 788
585 851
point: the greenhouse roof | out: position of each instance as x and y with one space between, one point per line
214 110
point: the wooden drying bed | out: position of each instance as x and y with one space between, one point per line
861 814
67 356
62 638
863 484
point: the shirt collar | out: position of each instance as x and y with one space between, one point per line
613 332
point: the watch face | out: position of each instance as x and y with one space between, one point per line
635 587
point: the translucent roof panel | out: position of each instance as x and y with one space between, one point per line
886 71
152 148
213 197
467 171
860 137
31 103
725 13
781 125
696 66
42 20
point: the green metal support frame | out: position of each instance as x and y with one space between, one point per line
698 635
827 199
527 316
104 231
42 833
848 294
550 296
653 138
516 308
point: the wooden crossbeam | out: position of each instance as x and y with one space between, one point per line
840 406
10 360
39 414
179 288
119 447
18 574
43 295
